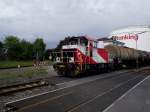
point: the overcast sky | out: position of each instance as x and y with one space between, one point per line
55 19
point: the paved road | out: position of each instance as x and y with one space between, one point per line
92 96
135 100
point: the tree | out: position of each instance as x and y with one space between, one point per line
13 47
1 46
39 48
1 50
26 50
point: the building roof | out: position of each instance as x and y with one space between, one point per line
105 39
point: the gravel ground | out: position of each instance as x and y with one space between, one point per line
20 95
51 77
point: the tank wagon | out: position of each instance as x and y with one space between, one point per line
82 54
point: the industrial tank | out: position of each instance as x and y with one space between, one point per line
128 35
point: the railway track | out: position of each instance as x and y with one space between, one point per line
6 90
83 94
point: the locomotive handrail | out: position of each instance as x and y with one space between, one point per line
61 56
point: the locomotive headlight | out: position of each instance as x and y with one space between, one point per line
79 53
50 57
57 59
71 59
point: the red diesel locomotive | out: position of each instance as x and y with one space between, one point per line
82 54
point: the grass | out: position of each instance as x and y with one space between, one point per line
29 73
20 74
14 64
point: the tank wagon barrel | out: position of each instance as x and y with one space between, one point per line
128 56
123 53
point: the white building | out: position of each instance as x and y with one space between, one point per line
129 35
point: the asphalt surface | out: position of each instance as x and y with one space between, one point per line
135 100
92 96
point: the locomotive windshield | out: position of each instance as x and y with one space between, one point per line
76 41
71 41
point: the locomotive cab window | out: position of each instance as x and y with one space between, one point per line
73 42
84 42
94 44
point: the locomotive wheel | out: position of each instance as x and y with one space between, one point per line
61 73
73 70
60 69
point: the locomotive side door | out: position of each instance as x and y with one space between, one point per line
89 50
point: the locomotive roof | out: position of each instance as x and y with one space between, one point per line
83 37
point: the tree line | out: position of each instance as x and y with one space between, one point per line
13 48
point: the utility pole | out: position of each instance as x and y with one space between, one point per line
137 60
